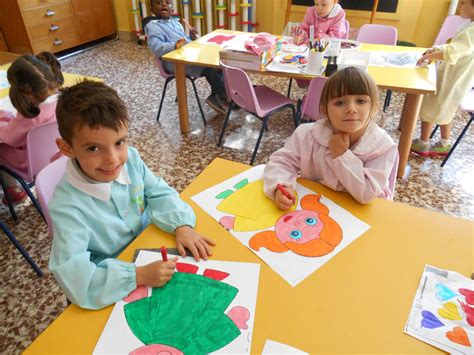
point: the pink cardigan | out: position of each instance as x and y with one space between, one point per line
363 170
331 26
13 135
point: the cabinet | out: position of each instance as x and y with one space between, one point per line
33 26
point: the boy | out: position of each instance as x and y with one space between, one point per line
97 207
165 34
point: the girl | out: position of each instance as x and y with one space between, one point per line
328 19
454 78
345 151
34 81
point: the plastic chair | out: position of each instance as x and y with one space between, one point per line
20 248
379 34
260 101
449 28
467 104
41 148
170 77
348 28
46 182
308 108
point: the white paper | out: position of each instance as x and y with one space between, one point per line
394 59
293 267
117 338
439 297
4 84
273 348
6 104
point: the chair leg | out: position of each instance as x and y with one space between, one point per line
295 116
198 101
289 88
225 124
387 100
21 249
32 198
8 198
162 99
457 140
264 124
434 131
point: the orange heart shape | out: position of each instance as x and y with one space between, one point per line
458 335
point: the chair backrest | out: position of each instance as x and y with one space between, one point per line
449 28
240 89
348 28
46 182
41 147
377 34
310 105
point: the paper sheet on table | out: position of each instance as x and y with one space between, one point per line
273 348
394 59
442 313
4 84
6 104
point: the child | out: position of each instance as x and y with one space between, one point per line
454 78
328 19
166 34
99 205
34 82
345 151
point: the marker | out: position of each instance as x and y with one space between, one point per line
164 254
284 192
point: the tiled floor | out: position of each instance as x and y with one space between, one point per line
28 303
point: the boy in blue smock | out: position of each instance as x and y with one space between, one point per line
99 205
165 34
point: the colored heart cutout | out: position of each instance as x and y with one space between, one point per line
430 320
469 312
449 311
444 293
458 335
468 294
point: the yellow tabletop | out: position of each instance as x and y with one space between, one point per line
358 302
412 80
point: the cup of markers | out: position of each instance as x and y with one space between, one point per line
315 58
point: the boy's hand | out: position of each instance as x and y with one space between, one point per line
155 274
180 42
283 202
338 144
193 33
186 237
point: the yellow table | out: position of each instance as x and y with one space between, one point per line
413 82
358 302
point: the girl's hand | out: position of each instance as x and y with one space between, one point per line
180 42
339 143
200 247
155 274
430 55
283 202
298 36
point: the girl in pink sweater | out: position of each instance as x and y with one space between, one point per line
328 19
345 151
34 81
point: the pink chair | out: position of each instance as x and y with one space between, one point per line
308 108
348 28
171 77
41 148
449 28
46 182
259 100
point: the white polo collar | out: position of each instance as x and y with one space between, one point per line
99 190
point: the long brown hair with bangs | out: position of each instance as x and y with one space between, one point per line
350 81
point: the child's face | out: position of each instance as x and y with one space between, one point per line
323 7
349 113
161 8
101 152
467 10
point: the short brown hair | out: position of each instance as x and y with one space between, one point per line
350 81
89 103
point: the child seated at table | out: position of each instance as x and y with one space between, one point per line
345 150
454 78
328 19
165 34
105 199
34 80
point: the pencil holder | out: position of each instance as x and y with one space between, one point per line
315 62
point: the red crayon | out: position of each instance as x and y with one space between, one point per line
164 254
284 192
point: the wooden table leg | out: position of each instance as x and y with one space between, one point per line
180 75
411 108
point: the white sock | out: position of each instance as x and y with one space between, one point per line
424 142
444 142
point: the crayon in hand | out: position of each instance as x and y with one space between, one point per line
164 254
285 192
